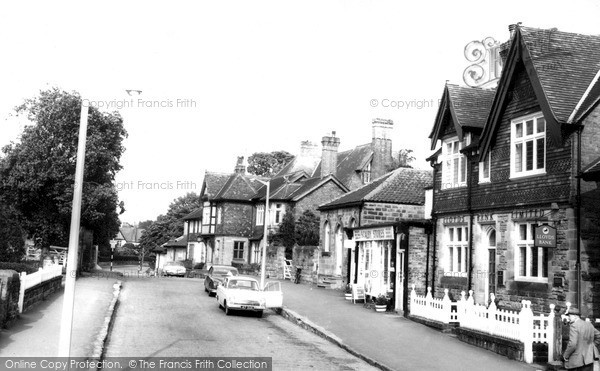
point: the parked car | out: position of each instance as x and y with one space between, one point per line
244 294
174 268
215 276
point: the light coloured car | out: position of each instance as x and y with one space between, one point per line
174 268
241 293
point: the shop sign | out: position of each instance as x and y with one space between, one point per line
373 234
545 236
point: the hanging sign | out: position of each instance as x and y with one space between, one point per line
545 236
373 234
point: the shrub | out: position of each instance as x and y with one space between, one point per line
199 266
187 264
381 300
30 267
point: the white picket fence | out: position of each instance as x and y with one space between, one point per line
521 326
36 278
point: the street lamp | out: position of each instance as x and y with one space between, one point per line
113 244
265 238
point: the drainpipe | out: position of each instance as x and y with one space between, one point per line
427 259
469 189
578 205
434 221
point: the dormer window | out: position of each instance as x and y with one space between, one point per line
366 174
454 171
528 146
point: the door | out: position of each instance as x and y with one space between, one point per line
339 248
400 280
273 295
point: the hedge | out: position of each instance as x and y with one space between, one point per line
29 268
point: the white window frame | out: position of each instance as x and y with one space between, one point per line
366 173
260 214
527 245
454 245
453 159
485 178
522 141
278 215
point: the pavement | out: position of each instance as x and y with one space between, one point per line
385 340
36 332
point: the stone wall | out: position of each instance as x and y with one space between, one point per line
9 296
38 293
375 213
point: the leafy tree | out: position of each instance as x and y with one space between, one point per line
145 224
12 243
405 158
169 225
268 163
286 235
37 173
307 229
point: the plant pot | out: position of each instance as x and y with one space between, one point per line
380 308
348 296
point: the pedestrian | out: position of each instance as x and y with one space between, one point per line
581 351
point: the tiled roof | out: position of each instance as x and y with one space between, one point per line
131 234
565 64
196 214
592 171
181 241
238 187
213 182
348 162
590 101
402 186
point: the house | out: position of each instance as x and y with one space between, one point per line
508 207
377 236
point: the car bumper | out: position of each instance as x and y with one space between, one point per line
246 306
169 273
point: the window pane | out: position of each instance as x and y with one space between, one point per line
541 153
455 147
492 240
459 258
463 169
544 262
451 259
529 127
534 261
449 148
522 232
466 234
519 157
541 125
459 234
529 155
451 234
519 130
486 167
522 261
455 178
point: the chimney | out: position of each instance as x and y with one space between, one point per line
239 167
329 154
512 28
381 145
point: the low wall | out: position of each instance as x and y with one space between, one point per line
38 293
510 348
10 284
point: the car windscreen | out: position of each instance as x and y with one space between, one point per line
223 272
243 284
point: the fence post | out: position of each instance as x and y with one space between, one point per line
550 333
460 309
413 299
526 329
21 291
428 308
446 307
491 313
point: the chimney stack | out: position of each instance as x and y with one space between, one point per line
381 146
239 167
329 155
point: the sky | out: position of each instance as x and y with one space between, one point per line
229 78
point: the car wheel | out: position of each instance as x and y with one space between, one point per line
259 314
227 310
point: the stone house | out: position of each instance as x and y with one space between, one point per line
378 236
509 173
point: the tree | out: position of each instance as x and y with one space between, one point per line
405 158
307 229
268 163
169 225
12 243
145 224
37 173
286 235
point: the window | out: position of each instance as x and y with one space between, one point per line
457 242
219 214
278 213
366 174
454 171
484 169
531 261
238 250
256 257
260 214
528 146
327 237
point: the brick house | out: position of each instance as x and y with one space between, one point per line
378 236
510 161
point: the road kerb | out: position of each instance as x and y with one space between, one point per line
306 324
98 352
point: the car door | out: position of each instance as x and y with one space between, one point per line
273 295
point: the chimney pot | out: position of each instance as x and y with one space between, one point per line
239 166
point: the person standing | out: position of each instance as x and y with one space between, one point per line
581 351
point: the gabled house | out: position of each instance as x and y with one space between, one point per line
503 190
377 236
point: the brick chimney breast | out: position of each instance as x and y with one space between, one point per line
329 155
381 145
240 168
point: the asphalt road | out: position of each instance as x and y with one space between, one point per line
172 317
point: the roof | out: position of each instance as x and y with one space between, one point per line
592 171
589 101
239 187
467 107
401 186
196 214
131 233
350 161
561 67
213 182
181 241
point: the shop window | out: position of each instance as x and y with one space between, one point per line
531 262
528 146
457 244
